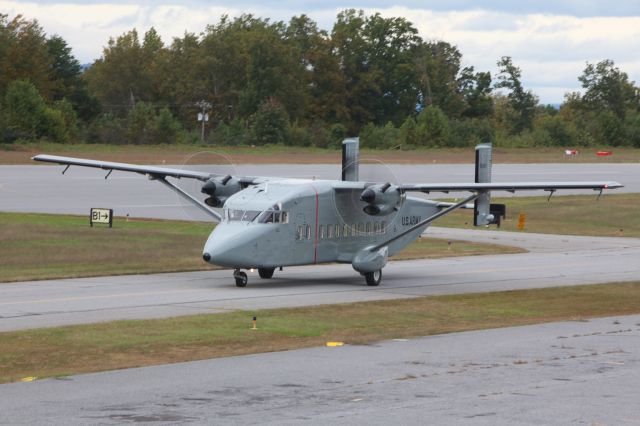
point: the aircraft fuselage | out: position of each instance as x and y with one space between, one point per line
293 223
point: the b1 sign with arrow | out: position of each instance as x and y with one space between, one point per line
101 216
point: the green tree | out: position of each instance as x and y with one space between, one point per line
24 55
432 127
476 90
69 117
632 129
24 109
141 124
610 129
375 56
27 116
270 124
273 71
325 83
523 102
438 65
552 130
167 128
125 74
608 88
66 74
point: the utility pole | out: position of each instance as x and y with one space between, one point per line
203 115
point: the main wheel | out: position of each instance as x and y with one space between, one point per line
241 279
266 273
373 278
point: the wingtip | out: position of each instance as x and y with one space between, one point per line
613 185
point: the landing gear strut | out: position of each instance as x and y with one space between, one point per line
373 278
240 277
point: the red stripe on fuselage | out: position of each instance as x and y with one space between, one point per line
315 240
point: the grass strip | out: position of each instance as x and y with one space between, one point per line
208 154
124 344
613 215
44 246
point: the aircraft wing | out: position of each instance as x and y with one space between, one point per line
507 186
152 171
159 174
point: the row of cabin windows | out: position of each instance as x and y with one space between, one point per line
343 231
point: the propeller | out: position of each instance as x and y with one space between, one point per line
215 191
381 196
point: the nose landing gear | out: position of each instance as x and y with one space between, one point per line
240 277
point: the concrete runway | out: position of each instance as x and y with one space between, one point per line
44 189
552 261
560 373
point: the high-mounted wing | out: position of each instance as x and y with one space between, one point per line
217 187
507 186
125 167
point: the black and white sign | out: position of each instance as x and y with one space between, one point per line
101 216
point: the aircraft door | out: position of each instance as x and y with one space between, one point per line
304 235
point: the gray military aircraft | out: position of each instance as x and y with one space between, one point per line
268 223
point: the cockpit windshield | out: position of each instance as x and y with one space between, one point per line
272 215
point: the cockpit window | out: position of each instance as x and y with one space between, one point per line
250 215
234 215
273 215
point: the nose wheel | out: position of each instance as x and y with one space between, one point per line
240 277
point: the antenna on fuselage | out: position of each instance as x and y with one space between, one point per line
350 161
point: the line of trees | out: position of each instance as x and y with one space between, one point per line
292 83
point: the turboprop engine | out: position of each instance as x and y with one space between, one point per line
381 199
219 189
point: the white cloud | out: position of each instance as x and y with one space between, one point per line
87 28
550 49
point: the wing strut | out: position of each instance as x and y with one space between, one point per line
425 222
189 197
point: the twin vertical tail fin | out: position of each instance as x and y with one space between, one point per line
485 213
350 154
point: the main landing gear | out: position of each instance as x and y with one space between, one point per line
373 278
241 277
266 273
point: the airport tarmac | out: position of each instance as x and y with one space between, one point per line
559 373
43 188
553 260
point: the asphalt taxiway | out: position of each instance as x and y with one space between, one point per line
552 260
43 189
560 373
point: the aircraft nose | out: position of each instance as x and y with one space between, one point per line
220 253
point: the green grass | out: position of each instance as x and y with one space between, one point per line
39 246
42 246
177 154
613 215
123 344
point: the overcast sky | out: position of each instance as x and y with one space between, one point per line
549 40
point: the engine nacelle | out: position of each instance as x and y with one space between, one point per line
381 199
219 189
370 261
